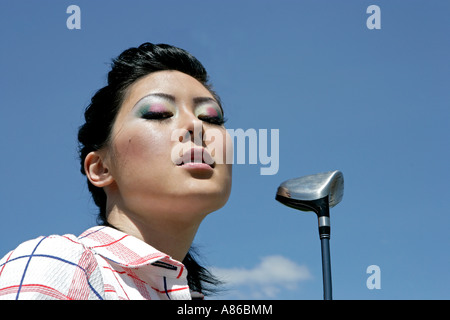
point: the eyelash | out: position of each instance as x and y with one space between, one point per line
157 115
166 115
213 120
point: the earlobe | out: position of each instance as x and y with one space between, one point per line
96 170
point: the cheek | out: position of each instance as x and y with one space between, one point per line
141 146
219 143
228 149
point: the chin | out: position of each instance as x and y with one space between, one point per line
200 204
196 205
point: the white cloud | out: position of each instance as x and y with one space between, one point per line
267 279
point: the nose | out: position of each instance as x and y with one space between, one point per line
192 129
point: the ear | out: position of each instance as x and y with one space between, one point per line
96 170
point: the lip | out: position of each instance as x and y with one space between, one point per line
197 158
196 166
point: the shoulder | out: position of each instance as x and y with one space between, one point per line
65 247
56 266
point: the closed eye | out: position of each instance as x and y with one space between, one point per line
213 120
161 115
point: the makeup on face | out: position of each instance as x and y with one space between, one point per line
155 107
210 111
161 106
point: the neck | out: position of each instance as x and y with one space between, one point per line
171 238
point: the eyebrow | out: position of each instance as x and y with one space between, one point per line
161 95
198 100
171 98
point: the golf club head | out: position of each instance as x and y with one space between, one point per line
314 192
317 192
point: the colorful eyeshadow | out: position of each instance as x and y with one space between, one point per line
209 110
153 108
152 104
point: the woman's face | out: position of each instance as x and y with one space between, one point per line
156 147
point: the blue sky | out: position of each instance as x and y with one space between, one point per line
374 104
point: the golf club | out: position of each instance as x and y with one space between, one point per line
318 193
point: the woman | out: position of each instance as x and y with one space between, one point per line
153 176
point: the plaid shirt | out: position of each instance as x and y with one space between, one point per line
102 263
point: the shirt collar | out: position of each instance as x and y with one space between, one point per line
128 251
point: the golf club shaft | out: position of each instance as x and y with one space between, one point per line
326 268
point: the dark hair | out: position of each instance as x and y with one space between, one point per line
100 114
